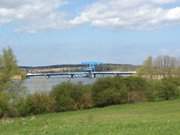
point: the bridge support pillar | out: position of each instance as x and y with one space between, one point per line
72 75
47 76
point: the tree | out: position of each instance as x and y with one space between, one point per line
147 68
165 65
8 68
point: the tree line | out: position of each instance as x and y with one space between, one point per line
160 67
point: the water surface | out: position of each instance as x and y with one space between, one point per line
36 84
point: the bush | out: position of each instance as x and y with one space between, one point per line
4 99
37 103
86 101
174 80
16 93
164 89
152 90
105 91
70 96
168 90
137 89
108 91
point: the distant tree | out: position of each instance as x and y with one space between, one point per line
162 66
165 65
147 68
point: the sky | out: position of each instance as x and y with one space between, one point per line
48 32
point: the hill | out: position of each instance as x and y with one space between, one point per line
79 67
158 118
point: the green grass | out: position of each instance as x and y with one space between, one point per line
159 118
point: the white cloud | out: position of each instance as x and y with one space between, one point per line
131 14
37 15
33 15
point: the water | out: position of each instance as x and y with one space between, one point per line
38 84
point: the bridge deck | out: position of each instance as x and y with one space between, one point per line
71 74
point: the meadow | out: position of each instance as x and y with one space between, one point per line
149 118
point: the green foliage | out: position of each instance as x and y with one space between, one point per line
147 68
152 90
174 80
4 99
108 91
168 90
137 88
104 92
164 89
70 96
36 104
86 101
8 68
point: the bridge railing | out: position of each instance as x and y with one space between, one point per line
83 74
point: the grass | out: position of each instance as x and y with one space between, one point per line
158 118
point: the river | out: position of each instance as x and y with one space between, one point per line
37 84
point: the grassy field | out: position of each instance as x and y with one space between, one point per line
160 118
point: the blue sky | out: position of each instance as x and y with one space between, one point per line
107 31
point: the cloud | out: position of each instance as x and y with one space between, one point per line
33 15
38 15
130 14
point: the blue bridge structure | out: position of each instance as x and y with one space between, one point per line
90 66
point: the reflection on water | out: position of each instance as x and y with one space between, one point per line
36 84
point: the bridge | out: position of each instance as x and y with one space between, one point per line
82 74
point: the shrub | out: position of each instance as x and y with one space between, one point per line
16 93
4 99
86 101
164 89
136 88
105 91
168 90
37 103
108 91
70 96
153 88
175 81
